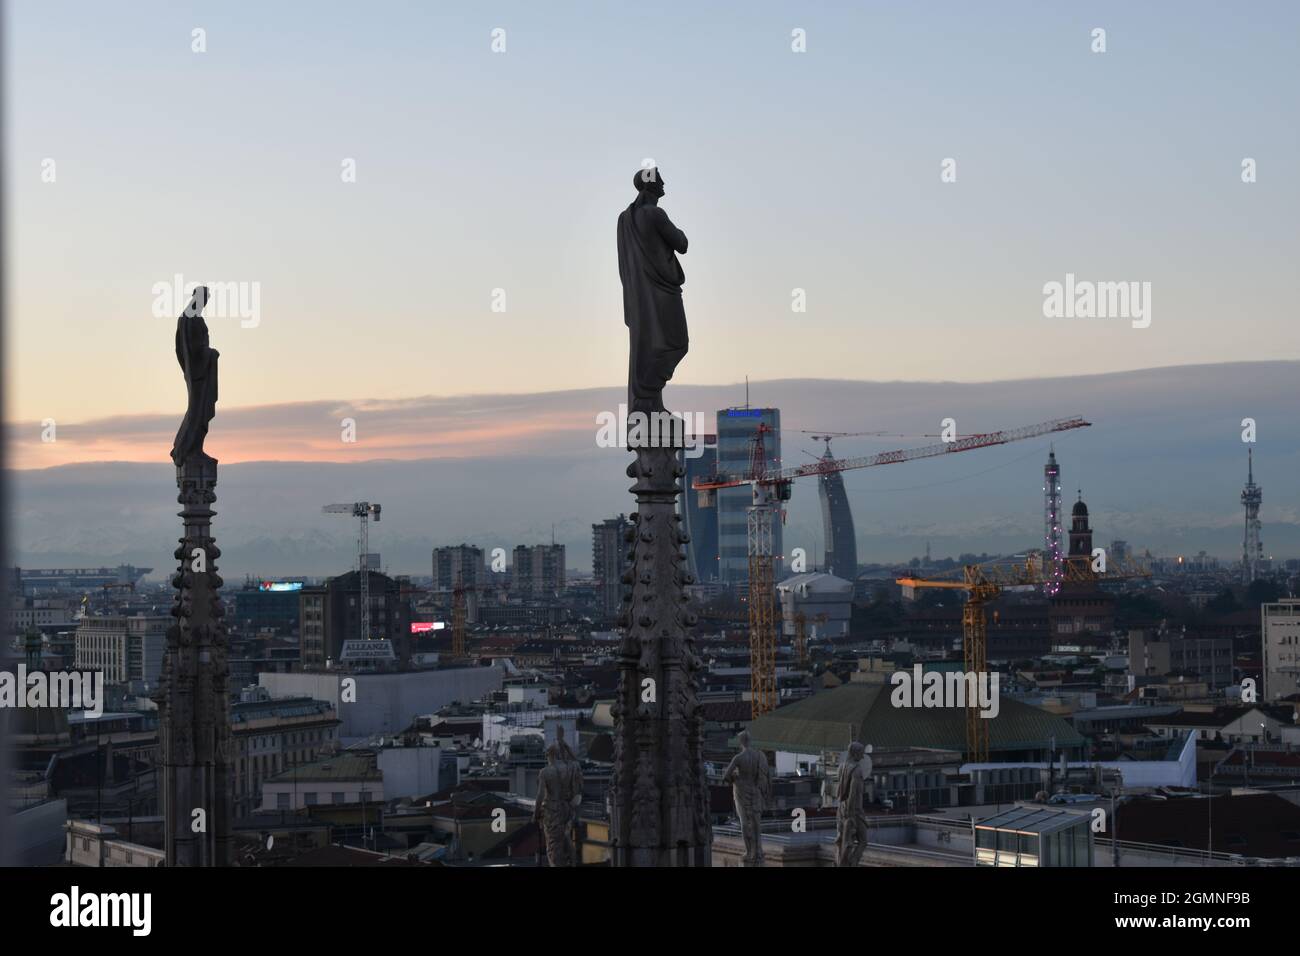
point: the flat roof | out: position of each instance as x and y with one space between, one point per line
1033 819
344 766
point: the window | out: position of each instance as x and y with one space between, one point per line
310 798
282 801
1082 847
1006 848
337 796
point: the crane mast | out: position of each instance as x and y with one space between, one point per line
363 510
762 595
983 584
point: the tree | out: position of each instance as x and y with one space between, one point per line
1225 603
1262 591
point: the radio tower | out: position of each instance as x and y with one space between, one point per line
1252 549
1052 571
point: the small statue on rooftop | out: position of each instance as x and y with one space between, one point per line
751 788
851 818
558 795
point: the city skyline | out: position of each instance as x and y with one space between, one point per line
349 523
1151 431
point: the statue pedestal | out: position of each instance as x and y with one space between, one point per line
193 701
658 795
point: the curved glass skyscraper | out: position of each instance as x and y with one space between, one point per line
837 525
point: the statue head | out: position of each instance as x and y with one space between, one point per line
856 750
743 740
552 753
648 180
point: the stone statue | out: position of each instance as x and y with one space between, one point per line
557 804
565 751
569 763
851 819
648 246
192 698
751 788
199 363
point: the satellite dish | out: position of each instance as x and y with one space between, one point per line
270 840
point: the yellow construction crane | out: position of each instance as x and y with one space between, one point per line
458 622
365 511
801 636
458 619
984 583
772 487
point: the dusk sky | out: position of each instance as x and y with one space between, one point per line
478 171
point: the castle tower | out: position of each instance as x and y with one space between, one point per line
1080 535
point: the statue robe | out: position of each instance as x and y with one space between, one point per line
199 362
751 786
851 819
648 244
556 809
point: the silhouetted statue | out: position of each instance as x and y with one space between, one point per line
648 245
199 363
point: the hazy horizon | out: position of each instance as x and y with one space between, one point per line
1162 467
468 423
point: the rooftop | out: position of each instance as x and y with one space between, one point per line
346 766
1033 819
830 720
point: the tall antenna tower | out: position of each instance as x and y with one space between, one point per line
1052 571
1252 549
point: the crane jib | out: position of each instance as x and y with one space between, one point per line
829 466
